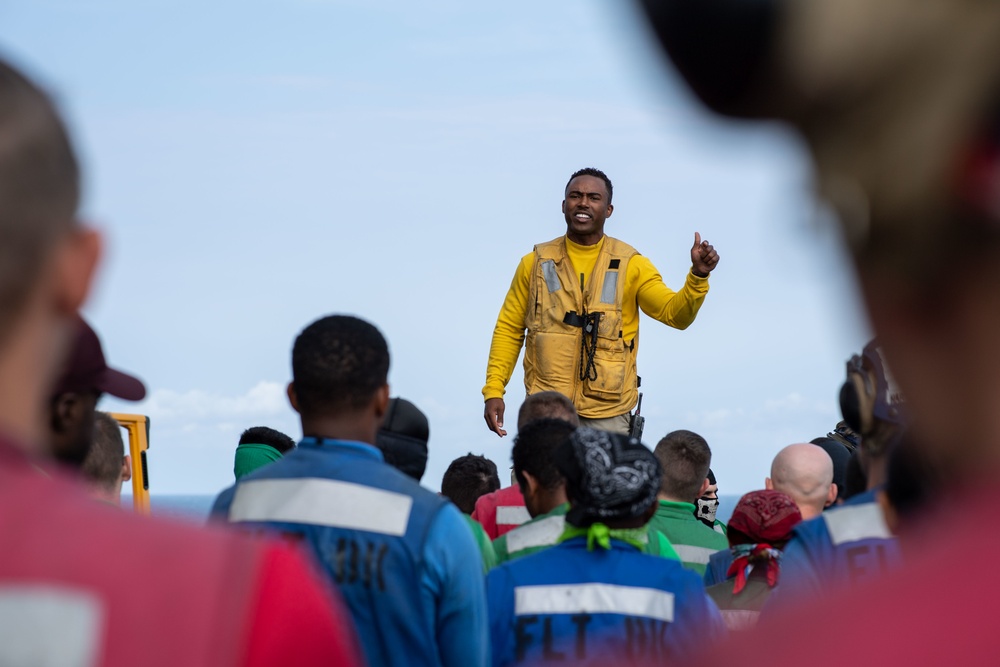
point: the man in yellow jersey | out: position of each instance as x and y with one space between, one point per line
574 304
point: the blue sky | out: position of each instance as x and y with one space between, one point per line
257 165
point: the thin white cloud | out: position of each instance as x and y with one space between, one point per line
265 399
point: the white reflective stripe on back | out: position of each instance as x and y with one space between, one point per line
512 515
854 523
693 554
594 599
43 626
539 534
322 502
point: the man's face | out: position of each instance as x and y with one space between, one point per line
72 427
586 207
712 493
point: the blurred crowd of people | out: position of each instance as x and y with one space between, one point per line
329 550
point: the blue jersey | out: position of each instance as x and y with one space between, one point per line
402 558
850 544
718 567
568 605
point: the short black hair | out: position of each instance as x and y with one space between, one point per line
546 404
685 458
534 451
262 435
590 171
339 362
467 478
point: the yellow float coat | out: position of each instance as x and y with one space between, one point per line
576 277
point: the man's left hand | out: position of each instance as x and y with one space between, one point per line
703 257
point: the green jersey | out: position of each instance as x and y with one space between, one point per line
545 530
693 540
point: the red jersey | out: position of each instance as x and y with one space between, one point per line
501 511
84 583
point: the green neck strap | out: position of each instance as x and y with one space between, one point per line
601 535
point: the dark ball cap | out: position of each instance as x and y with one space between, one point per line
608 476
840 455
87 370
403 437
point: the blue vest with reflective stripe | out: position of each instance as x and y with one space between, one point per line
848 544
365 523
568 605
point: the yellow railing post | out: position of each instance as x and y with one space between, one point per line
138 442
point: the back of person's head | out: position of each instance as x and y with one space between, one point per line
258 446
685 458
610 479
467 478
105 465
534 452
403 437
264 435
84 377
547 404
39 189
339 364
805 473
855 480
840 455
759 528
763 517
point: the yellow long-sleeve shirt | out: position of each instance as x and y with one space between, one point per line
644 288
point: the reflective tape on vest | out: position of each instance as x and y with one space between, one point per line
855 523
512 515
50 626
610 289
551 277
594 599
322 502
542 533
692 554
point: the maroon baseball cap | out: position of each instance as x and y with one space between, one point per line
86 369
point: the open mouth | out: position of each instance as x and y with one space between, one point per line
582 216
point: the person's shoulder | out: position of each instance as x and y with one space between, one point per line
713 536
664 568
620 246
151 536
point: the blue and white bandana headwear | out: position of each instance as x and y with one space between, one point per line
608 476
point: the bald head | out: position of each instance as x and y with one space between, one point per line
804 472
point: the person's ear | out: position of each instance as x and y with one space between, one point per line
768 484
126 469
293 399
610 211
530 486
704 487
831 495
381 402
75 262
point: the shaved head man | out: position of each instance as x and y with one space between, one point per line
804 472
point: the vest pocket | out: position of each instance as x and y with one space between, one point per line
611 366
554 358
611 360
